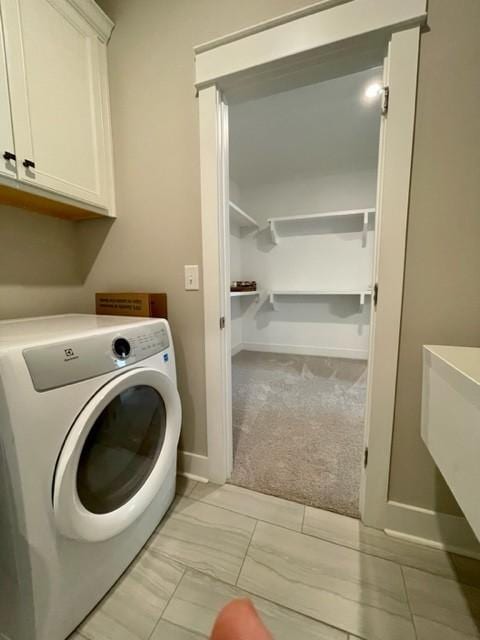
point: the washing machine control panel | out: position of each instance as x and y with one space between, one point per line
149 341
61 363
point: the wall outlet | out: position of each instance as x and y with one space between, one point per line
191 277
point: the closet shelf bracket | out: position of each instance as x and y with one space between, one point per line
365 229
273 231
271 299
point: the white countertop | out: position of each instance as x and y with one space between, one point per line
450 426
465 360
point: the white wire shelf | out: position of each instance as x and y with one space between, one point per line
242 219
272 222
362 293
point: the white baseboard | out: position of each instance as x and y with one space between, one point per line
193 466
237 348
303 350
437 530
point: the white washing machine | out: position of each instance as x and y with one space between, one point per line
89 427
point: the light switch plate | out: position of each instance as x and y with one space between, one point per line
191 277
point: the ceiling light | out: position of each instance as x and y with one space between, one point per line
373 90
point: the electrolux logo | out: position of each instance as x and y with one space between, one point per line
69 354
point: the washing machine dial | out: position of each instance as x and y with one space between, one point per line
121 348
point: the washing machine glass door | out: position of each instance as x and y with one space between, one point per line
117 455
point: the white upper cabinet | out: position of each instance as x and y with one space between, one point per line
7 151
56 67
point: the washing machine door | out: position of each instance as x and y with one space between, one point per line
117 455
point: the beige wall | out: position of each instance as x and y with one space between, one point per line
442 279
54 266
156 153
39 266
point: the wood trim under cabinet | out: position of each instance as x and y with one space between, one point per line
37 203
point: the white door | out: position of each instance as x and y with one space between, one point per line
117 455
7 151
374 281
54 67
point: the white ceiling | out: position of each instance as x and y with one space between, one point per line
325 128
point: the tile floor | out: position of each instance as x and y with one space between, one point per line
313 575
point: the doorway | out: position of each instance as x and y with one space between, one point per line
252 64
302 201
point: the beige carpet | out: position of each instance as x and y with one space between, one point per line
298 426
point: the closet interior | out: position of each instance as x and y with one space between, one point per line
303 179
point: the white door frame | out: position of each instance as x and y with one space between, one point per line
250 54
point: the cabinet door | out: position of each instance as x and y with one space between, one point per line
54 64
7 166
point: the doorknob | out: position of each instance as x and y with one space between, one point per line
9 156
28 164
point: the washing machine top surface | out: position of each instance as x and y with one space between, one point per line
62 350
24 332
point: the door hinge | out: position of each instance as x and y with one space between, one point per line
375 294
365 457
385 100
222 322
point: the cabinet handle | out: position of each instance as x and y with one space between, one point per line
28 164
9 156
